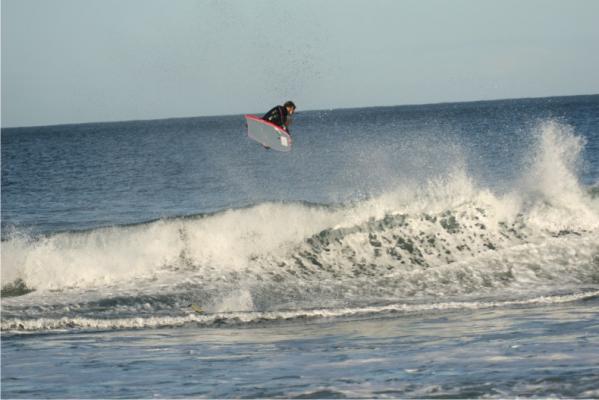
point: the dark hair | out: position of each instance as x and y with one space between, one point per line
289 104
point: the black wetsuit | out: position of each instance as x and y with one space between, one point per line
279 116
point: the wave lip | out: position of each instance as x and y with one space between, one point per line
253 317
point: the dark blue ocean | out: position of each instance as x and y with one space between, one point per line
427 251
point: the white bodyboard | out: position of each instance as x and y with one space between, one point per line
268 134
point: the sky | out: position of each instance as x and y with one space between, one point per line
73 61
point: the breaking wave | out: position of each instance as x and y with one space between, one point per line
445 238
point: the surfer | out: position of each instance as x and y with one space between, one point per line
281 115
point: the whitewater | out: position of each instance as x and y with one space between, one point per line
390 255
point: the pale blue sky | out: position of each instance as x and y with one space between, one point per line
70 61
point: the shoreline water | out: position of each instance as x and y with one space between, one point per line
538 351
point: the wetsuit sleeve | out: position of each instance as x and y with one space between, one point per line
276 116
271 115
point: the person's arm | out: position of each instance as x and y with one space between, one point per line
282 117
278 116
271 114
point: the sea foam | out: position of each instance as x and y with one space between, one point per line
445 235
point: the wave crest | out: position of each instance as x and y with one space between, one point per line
445 236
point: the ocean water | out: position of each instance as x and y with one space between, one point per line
447 250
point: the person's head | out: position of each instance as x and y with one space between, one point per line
290 106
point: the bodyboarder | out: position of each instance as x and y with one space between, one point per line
281 115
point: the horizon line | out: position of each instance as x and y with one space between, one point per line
303 111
